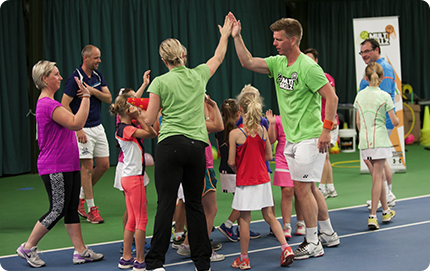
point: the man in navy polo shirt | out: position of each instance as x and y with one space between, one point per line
92 139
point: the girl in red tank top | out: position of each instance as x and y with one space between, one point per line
249 148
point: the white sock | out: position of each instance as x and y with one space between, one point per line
330 186
81 194
321 186
178 235
228 224
326 227
387 189
390 187
90 203
286 226
312 235
384 212
301 221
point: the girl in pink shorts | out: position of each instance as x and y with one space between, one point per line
128 137
282 177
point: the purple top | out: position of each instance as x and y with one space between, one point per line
58 145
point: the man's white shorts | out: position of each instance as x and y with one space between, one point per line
97 144
304 160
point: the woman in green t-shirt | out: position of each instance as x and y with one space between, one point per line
180 156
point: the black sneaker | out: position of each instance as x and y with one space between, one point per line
215 245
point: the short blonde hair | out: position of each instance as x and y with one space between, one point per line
291 26
249 88
40 69
171 50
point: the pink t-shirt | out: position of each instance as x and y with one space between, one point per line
323 101
58 145
280 160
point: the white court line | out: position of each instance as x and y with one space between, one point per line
296 244
256 221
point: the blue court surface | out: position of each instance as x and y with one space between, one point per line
402 244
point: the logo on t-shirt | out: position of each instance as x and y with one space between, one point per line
287 83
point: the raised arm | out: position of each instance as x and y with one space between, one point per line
104 95
214 123
273 135
146 81
150 115
220 51
66 118
256 64
145 131
65 101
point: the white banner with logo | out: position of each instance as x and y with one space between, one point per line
386 31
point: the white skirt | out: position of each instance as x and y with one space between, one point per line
253 197
376 153
118 175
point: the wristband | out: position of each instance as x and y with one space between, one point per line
86 95
328 124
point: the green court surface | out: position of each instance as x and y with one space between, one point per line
24 200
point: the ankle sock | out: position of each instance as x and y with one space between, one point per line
243 256
178 235
286 226
81 194
228 224
312 235
326 227
284 246
90 203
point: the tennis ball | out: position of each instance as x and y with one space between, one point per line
364 34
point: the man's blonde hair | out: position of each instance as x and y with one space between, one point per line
291 26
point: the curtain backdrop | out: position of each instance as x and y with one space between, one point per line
15 135
129 32
330 31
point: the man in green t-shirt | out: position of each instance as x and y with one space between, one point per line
299 83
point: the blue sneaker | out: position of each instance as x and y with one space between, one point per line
228 232
147 246
252 235
139 266
123 264
133 248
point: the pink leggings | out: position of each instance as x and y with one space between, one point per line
135 199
